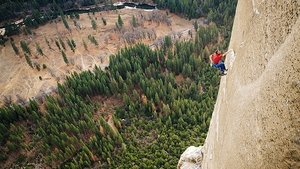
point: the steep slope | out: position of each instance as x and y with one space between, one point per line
256 119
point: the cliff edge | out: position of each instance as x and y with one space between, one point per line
256 120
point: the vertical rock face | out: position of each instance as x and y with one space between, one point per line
256 120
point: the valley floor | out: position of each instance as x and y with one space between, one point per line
19 82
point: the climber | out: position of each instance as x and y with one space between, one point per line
217 62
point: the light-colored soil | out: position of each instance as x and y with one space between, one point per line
256 119
18 80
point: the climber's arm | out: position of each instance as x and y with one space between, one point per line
224 54
227 52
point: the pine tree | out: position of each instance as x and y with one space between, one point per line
69 42
167 42
25 47
104 21
48 43
15 48
64 57
28 60
39 49
84 44
57 44
120 21
63 17
73 43
134 21
15 138
93 40
77 16
72 16
196 25
62 43
94 24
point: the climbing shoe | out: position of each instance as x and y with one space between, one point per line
222 73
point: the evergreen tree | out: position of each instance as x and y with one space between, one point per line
62 43
104 21
195 23
63 17
77 16
167 42
57 44
64 57
48 43
93 40
73 43
15 48
84 45
94 24
120 22
134 21
72 47
28 60
25 47
39 49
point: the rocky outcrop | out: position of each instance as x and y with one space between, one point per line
191 158
256 120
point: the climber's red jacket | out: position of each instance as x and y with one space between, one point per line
216 58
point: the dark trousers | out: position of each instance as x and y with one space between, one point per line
220 66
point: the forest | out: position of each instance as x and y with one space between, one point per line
10 9
164 101
39 12
220 12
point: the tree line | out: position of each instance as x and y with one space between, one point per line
220 12
15 8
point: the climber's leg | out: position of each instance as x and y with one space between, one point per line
220 66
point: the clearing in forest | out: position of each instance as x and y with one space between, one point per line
78 49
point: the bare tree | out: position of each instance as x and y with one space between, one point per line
7 100
137 34
179 34
158 17
20 100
